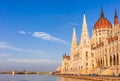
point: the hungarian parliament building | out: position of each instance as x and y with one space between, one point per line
99 54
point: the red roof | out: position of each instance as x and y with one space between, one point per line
102 23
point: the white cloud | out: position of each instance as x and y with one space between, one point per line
46 36
5 45
21 32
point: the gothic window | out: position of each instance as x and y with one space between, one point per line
92 61
87 55
114 60
99 63
76 57
100 39
110 61
103 30
92 55
93 66
99 33
117 59
108 32
81 67
86 63
99 30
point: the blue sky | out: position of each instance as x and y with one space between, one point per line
34 34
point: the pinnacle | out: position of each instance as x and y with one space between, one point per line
102 13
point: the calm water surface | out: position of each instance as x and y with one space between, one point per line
7 77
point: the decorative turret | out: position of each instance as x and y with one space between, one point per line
116 21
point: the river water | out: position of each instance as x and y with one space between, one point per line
34 77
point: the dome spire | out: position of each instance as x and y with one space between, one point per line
116 20
116 16
102 13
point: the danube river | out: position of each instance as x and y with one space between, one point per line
34 77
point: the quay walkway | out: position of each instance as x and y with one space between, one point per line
91 78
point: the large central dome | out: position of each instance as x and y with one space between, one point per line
102 22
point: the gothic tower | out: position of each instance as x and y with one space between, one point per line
73 46
85 45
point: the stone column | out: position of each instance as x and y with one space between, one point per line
104 61
108 61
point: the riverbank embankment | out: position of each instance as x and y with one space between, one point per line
90 78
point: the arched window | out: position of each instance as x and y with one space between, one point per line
92 55
114 60
100 39
117 59
87 55
110 61
86 63
93 66
99 63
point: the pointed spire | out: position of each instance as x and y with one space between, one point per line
65 54
102 13
116 21
85 34
116 13
74 33
84 19
74 40
84 27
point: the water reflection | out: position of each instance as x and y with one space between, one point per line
6 77
70 79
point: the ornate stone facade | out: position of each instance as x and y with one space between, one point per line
99 54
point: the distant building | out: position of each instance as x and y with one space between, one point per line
65 64
99 54
58 69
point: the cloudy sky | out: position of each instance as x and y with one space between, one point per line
34 34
